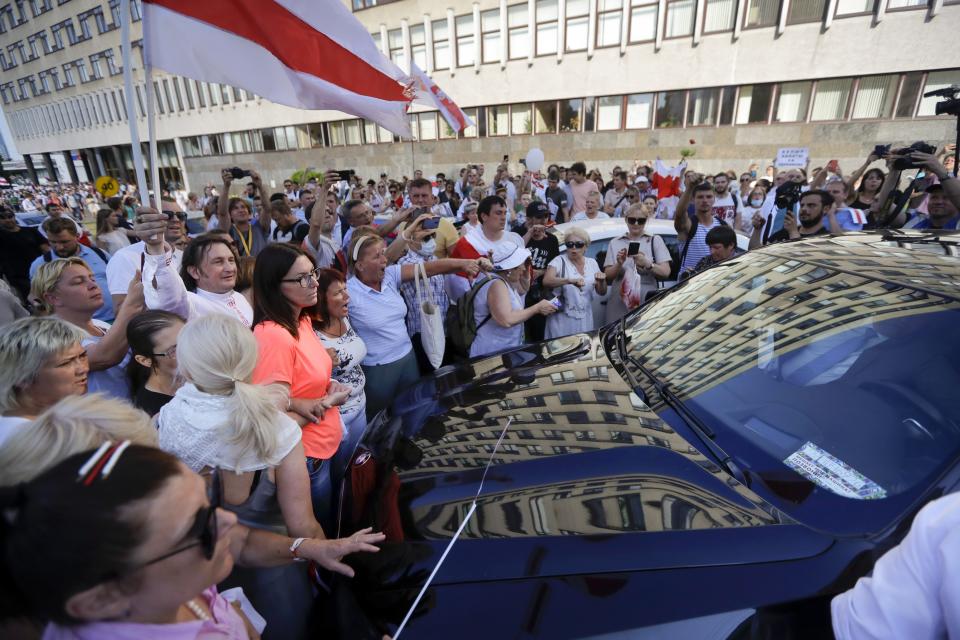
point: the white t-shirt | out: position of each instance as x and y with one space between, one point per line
126 262
583 216
725 209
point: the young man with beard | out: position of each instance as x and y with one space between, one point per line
726 205
815 205
208 274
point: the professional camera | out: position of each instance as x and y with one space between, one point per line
951 105
906 162
239 173
788 194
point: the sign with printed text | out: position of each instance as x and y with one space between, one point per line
107 186
792 157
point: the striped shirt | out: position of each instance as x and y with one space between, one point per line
409 291
698 248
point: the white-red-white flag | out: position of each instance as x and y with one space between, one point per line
427 92
310 54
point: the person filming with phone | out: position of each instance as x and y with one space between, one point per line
576 280
649 255
235 215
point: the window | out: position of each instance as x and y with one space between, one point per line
609 19
806 11
466 49
518 38
875 96
639 110
545 117
490 35
830 101
414 127
40 37
854 7
201 100
680 14
169 97
97 14
428 126
754 104
351 130
188 92
213 91
909 92
317 135
792 102
445 133
936 80
670 107
546 27
335 130
476 116
441 45
727 103
498 121
643 20
571 115
589 114
609 111
418 46
719 15
577 26
702 107
521 122
761 13
905 4
395 42
39 7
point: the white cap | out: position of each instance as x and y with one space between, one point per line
641 179
508 255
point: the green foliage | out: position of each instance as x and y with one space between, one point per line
302 176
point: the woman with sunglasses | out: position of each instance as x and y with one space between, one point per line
578 279
152 371
293 357
649 255
154 541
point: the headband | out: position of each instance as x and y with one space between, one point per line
356 247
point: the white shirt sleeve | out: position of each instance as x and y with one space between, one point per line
170 294
914 591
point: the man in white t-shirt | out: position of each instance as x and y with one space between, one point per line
726 206
591 209
125 263
481 242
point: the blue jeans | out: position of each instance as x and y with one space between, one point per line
321 492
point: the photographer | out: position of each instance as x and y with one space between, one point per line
942 199
235 215
814 205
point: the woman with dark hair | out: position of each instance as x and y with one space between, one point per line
110 237
245 278
291 355
869 189
152 336
153 541
332 324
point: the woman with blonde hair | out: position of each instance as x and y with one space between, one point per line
66 288
110 237
220 419
579 280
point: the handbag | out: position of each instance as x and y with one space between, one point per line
431 324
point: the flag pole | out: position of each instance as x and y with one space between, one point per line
152 133
127 61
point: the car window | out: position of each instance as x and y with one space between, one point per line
815 376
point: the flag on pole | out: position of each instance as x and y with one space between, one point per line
309 54
427 92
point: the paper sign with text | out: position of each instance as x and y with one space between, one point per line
792 157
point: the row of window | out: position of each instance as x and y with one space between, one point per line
15 14
171 95
46 81
63 33
840 99
614 21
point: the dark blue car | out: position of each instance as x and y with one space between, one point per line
718 465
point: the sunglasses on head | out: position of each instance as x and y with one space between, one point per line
575 244
636 220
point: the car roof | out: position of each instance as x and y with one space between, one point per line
609 228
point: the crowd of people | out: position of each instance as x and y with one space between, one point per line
211 361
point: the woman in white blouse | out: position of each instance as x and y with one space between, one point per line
577 280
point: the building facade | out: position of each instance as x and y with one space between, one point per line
604 81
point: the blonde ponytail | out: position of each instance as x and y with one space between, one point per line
218 355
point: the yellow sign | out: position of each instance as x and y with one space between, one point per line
107 186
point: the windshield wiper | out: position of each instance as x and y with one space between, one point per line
696 425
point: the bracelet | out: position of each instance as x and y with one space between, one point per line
294 548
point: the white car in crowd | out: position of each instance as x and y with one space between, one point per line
602 231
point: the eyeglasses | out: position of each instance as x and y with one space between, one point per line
169 353
575 244
179 215
306 279
636 220
204 529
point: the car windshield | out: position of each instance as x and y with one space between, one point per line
823 386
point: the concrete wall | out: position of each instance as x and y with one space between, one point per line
717 148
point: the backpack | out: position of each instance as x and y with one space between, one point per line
694 224
461 323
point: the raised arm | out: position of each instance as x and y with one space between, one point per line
681 221
852 180
447 266
111 349
163 288
263 216
223 202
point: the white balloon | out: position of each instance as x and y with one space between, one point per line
534 159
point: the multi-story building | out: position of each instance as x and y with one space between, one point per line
605 81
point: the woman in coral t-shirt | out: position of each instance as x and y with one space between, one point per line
291 354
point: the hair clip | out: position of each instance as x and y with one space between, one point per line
102 461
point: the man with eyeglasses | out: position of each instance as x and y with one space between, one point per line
125 263
19 247
650 255
290 191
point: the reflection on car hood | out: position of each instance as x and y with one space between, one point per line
582 454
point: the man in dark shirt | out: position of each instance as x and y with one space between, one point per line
555 194
722 242
814 205
19 247
543 247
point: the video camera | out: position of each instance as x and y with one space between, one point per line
950 106
788 194
906 162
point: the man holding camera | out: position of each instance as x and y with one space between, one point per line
814 206
235 215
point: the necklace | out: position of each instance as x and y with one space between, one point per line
197 610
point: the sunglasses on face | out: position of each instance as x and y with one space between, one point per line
575 244
636 220
179 215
